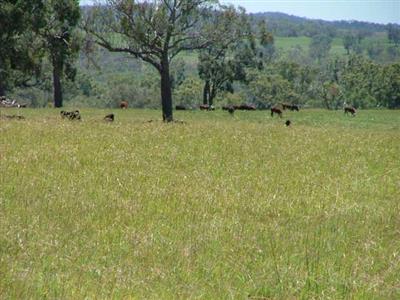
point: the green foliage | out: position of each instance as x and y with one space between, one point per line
394 33
320 46
226 98
223 61
178 74
140 92
387 86
265 37
283 25
267 47
35 97
153 31
352 42
375 50
102 79
189 92
268 89
20 53
61 41
393 52
357 80
329 92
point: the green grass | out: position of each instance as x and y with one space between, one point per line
218 207
337 47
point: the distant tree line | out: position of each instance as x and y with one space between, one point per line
286 25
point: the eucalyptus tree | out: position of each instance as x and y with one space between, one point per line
222 62
60 39
20 55
267 49
155 31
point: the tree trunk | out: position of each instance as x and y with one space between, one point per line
212 95
206 92
326 101
58 98
166 93
2 90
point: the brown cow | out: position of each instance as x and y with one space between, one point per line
277 111
247 107
123 104
350 109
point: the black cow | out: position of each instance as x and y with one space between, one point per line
350 109
206 107
245 107
71 115
292 107
231 110
109 118
180 107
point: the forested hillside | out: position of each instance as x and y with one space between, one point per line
287 25
284 58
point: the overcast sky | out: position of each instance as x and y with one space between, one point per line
377 11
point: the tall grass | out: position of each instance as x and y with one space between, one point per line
218 207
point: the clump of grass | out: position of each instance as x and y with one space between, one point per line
218 207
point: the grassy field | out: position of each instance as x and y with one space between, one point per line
219 207
337 48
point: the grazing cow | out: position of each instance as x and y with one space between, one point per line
206 107
109 118
71 115
231 110
287 123
350 109
292 107
277 111
123 104
180 107
245 107
64 114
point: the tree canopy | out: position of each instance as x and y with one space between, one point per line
153 31
19 51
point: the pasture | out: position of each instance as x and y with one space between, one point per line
218 207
